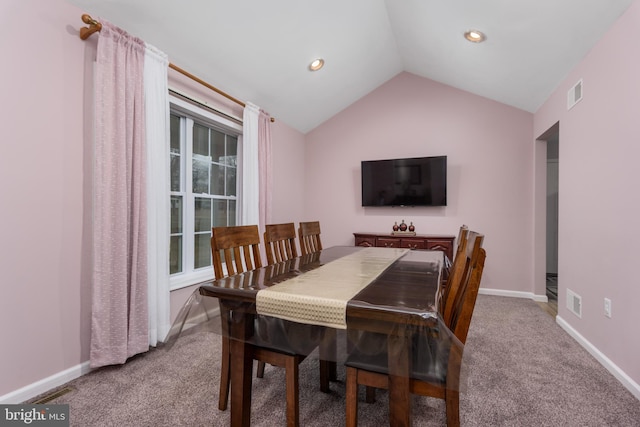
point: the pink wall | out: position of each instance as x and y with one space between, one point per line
45 163
289 173
599 204
489 148
46 167
43 304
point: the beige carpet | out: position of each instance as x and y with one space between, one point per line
523 370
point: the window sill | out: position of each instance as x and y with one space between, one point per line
180 281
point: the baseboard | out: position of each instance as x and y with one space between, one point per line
513 294
46 384
618 373
626 381
56 380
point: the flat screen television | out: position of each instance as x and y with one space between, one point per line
417 181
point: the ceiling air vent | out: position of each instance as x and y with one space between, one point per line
574 303
574 95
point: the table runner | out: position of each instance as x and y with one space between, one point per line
320 296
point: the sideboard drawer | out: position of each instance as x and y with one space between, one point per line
367 242
444 245
387 242
414 243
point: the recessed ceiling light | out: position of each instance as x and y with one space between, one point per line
475 36
316 64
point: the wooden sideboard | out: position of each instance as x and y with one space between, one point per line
419 241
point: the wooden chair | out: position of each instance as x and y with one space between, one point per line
280 242
239 248
426 378
280 245
309 235
454 272
457 284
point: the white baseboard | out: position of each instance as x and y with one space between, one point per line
513 294
618 373
32 390
39 387
626 381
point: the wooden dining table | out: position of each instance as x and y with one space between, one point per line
401 297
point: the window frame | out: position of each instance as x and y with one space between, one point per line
189 111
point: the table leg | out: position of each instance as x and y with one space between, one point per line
328 357
399 387
241 368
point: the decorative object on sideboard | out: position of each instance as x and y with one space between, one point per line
403 229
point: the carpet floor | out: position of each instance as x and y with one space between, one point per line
521 369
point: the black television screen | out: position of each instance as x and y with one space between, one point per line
418 181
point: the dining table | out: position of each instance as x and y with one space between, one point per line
388 291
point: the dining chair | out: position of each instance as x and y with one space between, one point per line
280 245
309 235
238 248
435 363
454 272
280 242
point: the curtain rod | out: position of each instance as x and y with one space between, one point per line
95 26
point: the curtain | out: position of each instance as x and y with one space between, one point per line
256 167
119 320
156 97
264 160
250 167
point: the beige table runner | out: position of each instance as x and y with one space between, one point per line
320 296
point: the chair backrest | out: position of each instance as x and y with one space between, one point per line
280 242
238 247
309 235
465 300
459 273
454 272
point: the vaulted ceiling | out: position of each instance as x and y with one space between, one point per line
259 50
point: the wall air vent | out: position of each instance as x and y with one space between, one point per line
574 95
574 303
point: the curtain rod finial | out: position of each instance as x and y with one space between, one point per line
94 26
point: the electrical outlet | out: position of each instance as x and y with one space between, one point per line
607 307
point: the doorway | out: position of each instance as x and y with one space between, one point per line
548 203
552 220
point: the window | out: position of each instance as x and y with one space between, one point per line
204 188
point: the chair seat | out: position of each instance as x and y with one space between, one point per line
286 337
429 352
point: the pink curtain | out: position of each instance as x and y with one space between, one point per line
119 322
264 167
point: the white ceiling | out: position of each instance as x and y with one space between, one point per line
259 50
